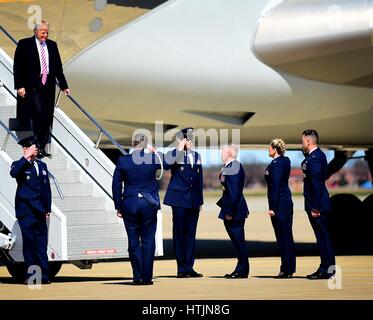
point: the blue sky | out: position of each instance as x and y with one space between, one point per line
212 157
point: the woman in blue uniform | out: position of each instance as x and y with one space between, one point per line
281 206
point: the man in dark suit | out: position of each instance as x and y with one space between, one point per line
33 205
37 64
317 202
136 199
185 195
234 210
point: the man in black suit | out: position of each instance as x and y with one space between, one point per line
37 64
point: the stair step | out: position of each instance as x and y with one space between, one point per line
85 217
7 110
80 204
96 232
56 163
66 175
70 190
114 247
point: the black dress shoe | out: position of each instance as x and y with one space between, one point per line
195 274
147 283
236 275
283 275
228 275
313 274
42 154
136 283
183 275
46 282
320 275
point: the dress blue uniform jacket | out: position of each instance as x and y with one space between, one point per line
137 179
316 195
185 189
232 202
277 178
33 191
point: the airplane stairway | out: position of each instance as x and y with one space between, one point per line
83 224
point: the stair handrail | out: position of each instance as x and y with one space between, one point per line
102 130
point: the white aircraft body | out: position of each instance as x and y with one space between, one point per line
269 68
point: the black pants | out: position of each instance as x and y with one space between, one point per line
236 232
38 106
42 118
320 228
285 241
184 227
35 243
141 228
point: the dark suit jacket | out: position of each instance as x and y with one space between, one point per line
33 191
27 75
277 178
316 195
232 202
135 173
27 65
185 189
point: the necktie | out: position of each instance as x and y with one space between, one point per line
35 165
44 70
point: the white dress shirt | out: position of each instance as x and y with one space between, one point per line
190 156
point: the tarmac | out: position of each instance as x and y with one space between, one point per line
77 24
214 258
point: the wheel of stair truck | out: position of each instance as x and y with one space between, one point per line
345 223
3 228
368 223
17 269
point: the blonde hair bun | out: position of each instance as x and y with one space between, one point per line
279 145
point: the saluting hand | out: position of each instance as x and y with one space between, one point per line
30 153
181 145
151 148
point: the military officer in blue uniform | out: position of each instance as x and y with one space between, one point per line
317 202
32 205
185 195
281 206
234 210
135 194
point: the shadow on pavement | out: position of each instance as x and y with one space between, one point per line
61 279
224 249
210 248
